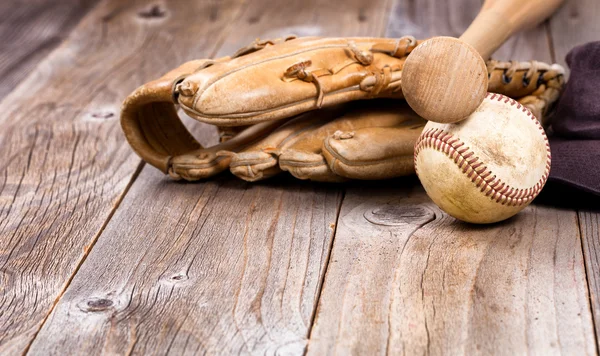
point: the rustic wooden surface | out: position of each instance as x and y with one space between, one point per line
589 222
30 31
65 163
404 278
252 278
221 267
101 254
575 24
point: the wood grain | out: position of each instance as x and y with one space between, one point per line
427 18
404 278
30 30
64 161
218 267
589 222
574 24
277 19
222 267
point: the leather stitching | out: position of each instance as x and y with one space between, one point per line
475 169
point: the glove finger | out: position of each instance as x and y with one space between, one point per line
259 160
373 152
207 162
304 158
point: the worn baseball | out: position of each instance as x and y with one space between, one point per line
487 167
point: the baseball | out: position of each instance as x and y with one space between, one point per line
487 167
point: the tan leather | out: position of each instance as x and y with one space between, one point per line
295 76
250 86
150 121
489 166
272 81
390 152
536 84
540 81
304 159
206 162
260 160
510 78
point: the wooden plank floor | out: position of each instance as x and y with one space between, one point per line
100 254
30 31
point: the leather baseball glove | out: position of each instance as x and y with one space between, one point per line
275 86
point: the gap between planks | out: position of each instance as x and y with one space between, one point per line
325 26
19 334
526 46
588 266
242 6
87 252
575 23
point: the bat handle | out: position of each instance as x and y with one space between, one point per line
500 19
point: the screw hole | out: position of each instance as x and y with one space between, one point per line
154 12
102 115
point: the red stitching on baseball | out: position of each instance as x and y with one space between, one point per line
475 170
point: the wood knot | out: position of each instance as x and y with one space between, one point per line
96 305
397 213
154 12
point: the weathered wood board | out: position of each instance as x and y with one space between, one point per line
65 163
574 24
30 30
230 267
589 222
221 266
404 278
278 19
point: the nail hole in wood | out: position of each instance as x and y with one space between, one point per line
102 115
179 277
153 13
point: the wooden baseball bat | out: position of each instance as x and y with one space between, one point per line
445 79
498 20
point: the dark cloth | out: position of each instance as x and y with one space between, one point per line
575 140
